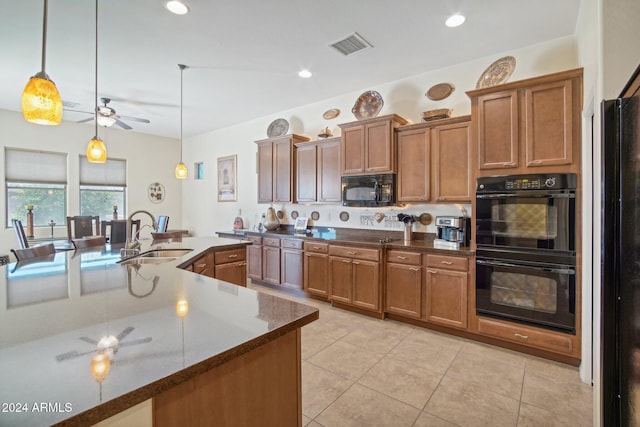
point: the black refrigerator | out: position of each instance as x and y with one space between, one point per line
621 257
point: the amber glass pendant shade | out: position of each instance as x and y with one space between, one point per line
100 366
96 151
41 102
181 171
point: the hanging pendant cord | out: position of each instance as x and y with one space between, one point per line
96 82
182 67
44 36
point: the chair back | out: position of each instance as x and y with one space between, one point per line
82 226
34 252
88 242
20 235
163 223
116 230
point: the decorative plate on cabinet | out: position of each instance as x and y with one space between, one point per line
497 73
344 216
294 214
368 105
440 91
156 192
331 114
277 127
315 215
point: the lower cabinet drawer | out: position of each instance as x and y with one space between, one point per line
321 248
352 252
551 341
448 262
223 257
404 257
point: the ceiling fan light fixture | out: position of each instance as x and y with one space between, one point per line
96 151
105 121
41 102
177 7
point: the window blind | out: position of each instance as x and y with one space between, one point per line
113 172
35 166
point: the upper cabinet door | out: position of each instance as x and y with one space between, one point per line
306 173
549 124
498 130
379 148
414 167
329 188
265 172
353 150
452 163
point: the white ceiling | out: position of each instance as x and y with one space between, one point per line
244 55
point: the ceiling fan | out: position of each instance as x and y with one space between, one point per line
108 344
107 116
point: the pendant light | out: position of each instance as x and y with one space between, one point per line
96 151
181 169
41 103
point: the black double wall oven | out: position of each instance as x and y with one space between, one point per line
526 249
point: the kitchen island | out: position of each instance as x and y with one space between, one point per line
200 350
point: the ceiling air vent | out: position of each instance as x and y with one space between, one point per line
351 44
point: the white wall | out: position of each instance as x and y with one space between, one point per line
204 215
149 159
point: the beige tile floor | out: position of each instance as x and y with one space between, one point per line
359 371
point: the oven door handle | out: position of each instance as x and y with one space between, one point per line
545 269
527 195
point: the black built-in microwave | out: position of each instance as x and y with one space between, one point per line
369 190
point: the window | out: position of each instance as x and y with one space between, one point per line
36 178
102 187
199 170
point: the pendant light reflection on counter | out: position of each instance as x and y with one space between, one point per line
181 169
96 151
41 102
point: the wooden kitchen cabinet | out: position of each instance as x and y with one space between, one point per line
354 277
276 168
404 290
447 281
291 260
254 258
452 173
529 126
434 161
316 266
271 260
318 171
204 265
231 265
368 146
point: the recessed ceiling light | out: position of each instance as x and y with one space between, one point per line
177 7
305 74
455 20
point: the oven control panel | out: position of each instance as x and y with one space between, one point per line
526 182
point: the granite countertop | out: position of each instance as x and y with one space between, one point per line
54 312
381 239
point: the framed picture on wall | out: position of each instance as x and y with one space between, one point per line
227 179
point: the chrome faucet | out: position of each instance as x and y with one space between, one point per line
132 241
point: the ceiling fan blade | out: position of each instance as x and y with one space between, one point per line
135 119
72 355
79 111
85 120
89 340
126 331
123 125
135 342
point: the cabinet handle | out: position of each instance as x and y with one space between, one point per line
346 260
316 247
521 336
233 256
242 264
355 262
352 253
401 257
414 269
446 262
432 271
201 265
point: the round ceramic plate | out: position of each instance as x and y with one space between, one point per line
440 91
344 216
497 73
368 105
294 214
277 127
331 114
315 215
156 192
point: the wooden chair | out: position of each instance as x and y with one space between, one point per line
20 235
89 242
163 223
82 226
116 230
35 252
